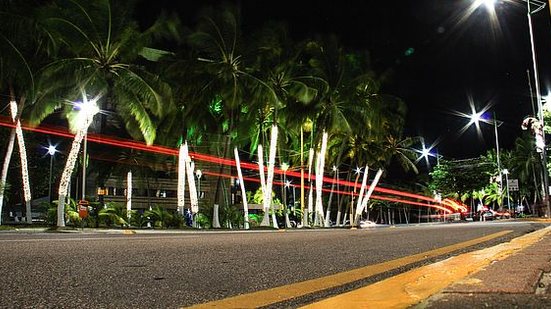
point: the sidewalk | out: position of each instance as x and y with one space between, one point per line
521 280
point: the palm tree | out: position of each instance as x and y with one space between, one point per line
100 49
525 163
103 51
23 48
494 194
215 83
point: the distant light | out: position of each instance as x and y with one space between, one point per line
334 168
425 152
475 118
52 150
358 170
409 51
490 4
198 173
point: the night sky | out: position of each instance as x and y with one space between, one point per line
456 58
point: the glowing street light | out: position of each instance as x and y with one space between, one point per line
86 112
51 151
533 6
476 118
284 168
199 174
490 4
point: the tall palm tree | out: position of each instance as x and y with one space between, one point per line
525 163
24 47
102 50
217 84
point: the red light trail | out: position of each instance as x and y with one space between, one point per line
125 143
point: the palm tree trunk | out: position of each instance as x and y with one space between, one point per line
308 210
243 192
70 164
356 217
270 178
128 196
66 175
266 208
5 167
319 180
366 198
16 110
339 206
181 193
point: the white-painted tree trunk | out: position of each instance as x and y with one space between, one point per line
242 186
66 174
320 166
5 167
216 216
128 195
85 122
190 169
270 178
181 180
365 199
15 115
310 204
265 203
362 191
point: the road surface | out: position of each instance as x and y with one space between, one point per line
162 270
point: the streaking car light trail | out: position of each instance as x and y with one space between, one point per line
377 197
118 142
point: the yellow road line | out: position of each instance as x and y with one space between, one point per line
414 286
290 291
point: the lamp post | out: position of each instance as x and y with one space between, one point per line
51 151
532 7
198 173
284 168
476 118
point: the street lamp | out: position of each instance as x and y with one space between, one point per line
51 151
534 6
476 118
284 168
199 173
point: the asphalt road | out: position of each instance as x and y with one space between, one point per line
50 270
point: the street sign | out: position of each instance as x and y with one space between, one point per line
513 184
83 209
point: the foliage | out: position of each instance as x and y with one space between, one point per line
231 216
160 217
71 213
454 178
115 213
